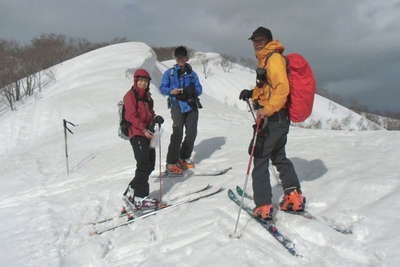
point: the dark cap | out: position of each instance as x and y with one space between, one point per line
261 32
180 51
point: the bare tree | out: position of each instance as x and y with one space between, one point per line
24 69
8 93
167 53
248 62
50 49
204 62
10 89
226 63
29 70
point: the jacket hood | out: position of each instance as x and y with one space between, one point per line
273 46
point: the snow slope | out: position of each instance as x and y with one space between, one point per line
350 178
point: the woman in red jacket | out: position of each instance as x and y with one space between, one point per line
139 112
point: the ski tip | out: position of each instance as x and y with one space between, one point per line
93 233
343 231
225 170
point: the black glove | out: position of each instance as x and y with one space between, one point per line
245 94
158 120
182 96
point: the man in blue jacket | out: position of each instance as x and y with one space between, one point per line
182 86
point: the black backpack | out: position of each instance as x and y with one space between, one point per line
124 125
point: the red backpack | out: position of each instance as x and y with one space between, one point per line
302 87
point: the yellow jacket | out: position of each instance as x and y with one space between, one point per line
273 95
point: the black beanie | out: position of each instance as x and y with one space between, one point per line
180 51
262 32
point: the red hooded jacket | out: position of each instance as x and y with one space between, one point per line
138 110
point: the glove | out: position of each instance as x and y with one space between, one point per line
245 94
158 120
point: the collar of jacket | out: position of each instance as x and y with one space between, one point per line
273 46
187 68
141 94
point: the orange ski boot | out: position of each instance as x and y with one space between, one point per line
293 201
174 169
186 164
264 212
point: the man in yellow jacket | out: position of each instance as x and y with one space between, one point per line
270 99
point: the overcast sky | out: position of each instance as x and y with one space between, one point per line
353 45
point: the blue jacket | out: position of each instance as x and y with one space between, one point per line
171 80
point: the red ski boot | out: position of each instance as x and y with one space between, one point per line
293 201
264 212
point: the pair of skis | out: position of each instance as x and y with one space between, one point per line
270 226
305 214
133 216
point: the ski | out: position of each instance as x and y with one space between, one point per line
212 173
154 212
126 213
191 193
108 219
190 172
304 214
268 225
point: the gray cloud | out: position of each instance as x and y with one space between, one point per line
352 45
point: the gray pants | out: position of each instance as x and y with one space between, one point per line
271 145
178 149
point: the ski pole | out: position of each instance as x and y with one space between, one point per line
258 123
65 122
159 158
251 110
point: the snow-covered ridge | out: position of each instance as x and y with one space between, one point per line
386 122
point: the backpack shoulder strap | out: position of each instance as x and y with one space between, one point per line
266 61
268 56
284 57
171 72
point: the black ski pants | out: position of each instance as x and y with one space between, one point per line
178 149
145 161
270 145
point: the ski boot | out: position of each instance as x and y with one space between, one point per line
264 212
145 203
174 170
186 164
128 196
293 201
